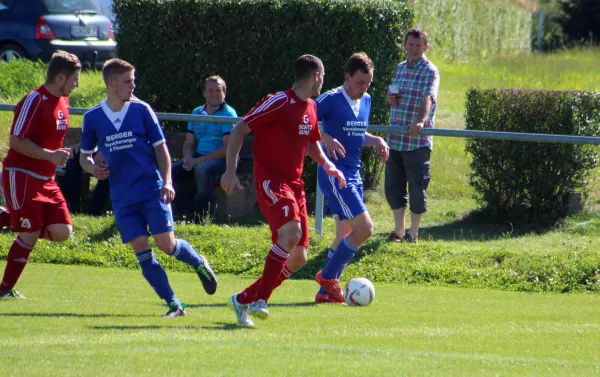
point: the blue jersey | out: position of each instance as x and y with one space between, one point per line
209 136
345 120
126 140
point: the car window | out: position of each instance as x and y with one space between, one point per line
5 4
73 6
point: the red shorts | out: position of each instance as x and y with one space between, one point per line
281 203
33 203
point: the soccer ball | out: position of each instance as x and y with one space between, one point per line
359 292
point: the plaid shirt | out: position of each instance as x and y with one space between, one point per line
415 83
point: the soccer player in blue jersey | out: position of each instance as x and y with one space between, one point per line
126 131
344 112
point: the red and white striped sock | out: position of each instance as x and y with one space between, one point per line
16 260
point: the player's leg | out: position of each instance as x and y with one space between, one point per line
396 193
133 229
349 206
26 220
160 220
342 229
57 220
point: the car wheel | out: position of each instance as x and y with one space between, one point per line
10 52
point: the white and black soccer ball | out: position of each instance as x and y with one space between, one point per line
359 292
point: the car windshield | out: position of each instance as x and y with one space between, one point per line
78 6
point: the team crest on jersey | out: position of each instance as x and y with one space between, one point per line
306 128
61 122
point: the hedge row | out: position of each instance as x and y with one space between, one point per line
527 182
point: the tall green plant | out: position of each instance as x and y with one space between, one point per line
461 30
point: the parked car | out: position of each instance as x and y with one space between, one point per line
34 29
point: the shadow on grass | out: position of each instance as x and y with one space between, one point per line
478 226
218 326
105 234
207 305
294 304
75 315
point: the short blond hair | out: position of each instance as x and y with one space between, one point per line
115 67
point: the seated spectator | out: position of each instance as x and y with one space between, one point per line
72 190
203 154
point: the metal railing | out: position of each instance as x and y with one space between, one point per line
470 134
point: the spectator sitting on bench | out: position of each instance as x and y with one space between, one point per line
72 189
203 153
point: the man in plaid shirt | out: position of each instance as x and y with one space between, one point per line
412 96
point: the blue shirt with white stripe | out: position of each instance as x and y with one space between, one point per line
347 121
209 136
126 140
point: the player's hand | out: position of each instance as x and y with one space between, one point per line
167 192
382 149
331 170
60 156
99 159
415 128
392 99
333 147
230 181
188 163
101 171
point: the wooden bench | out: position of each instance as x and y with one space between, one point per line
238 205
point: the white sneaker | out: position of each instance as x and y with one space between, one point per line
259 309
241 311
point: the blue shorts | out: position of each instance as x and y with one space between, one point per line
346 203
134 220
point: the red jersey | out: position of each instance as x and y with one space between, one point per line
283 125
43 119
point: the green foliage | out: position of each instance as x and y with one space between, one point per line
461 30
580 20
253 45
525 182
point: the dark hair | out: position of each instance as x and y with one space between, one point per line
216 78
417 33
306 66
115 67
359 61
62 62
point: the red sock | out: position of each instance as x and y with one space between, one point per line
267 282
4 217
273 268
17 259
285 274
249 294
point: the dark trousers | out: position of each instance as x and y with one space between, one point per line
411 169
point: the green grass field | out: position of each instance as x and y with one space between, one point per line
82 320
85 321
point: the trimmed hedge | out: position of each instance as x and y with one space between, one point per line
462 30
253 45
526 182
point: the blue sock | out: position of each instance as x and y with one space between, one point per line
156 276
329 256
344 254
186 253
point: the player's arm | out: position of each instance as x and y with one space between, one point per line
314 151
380 145
229 180
28 148
163 159
87 162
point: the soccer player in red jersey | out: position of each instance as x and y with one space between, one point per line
285 129
36 204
